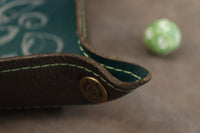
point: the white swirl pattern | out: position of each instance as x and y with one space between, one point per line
11 32
26 20
30 39
17 9
29 5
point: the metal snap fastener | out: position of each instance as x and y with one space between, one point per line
93 90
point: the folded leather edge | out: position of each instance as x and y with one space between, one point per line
125 85
50 80
17 67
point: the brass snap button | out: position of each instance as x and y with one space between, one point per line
93 90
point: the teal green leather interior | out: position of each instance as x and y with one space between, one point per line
48 26
38 26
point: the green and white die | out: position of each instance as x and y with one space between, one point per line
162 37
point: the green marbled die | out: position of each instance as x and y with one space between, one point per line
162 37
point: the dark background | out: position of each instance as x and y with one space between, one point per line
167 104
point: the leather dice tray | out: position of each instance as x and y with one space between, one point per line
50 77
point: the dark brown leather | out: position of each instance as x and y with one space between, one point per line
51 80
167 104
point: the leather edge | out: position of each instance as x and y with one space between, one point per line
125 85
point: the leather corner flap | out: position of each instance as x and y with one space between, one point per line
52 76
57 79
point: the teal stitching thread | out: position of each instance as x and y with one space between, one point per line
109 67
64 64
82 50
85 54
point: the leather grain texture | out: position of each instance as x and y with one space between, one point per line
52 79
167 104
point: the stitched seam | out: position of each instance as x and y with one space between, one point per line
59 64
82 50
63 64
109 67
85 54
